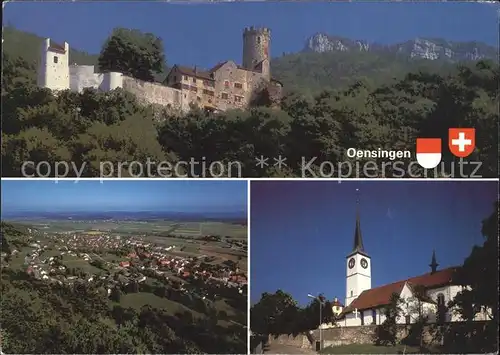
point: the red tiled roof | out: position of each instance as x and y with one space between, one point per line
194 72
380 296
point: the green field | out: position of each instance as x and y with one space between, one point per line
137 300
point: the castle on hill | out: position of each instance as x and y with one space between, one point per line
225 86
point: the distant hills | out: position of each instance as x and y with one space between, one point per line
236 216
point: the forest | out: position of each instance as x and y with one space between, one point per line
333 101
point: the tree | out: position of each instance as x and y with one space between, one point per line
481 292
479 276
133 53
386 333
273 313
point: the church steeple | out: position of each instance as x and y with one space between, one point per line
358 239
358 264
433 263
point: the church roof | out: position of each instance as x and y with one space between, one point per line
380 296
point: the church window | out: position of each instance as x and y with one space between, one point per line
258 40
362 318
175 78
56 59
351 293
194 80
374 316
440 299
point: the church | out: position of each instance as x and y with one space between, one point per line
365 305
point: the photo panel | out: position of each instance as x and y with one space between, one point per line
372 267
124 267
325 89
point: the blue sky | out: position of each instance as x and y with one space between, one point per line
205 34
161 195
301 232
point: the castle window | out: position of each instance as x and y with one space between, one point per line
56 59
258 40
238 85
238 98
185 77
224 96
226 83
208 92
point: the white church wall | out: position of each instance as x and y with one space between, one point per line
413 307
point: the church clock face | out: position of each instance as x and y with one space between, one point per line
364 263
351 263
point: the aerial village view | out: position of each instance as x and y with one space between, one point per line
125 269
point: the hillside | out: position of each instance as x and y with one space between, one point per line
28 45
311 72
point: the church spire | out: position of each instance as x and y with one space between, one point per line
433 263
358 240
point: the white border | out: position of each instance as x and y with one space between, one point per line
244 179
249 283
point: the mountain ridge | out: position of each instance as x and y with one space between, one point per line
420 47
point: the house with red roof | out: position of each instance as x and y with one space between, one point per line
421 294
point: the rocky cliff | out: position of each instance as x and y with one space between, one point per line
424 48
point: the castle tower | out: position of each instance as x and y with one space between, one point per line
53 71
256 52
358 264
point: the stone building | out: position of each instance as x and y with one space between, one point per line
224 87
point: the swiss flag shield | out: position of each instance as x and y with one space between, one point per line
461 141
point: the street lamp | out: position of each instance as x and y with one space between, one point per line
320 318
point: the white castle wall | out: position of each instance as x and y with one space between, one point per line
83 76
